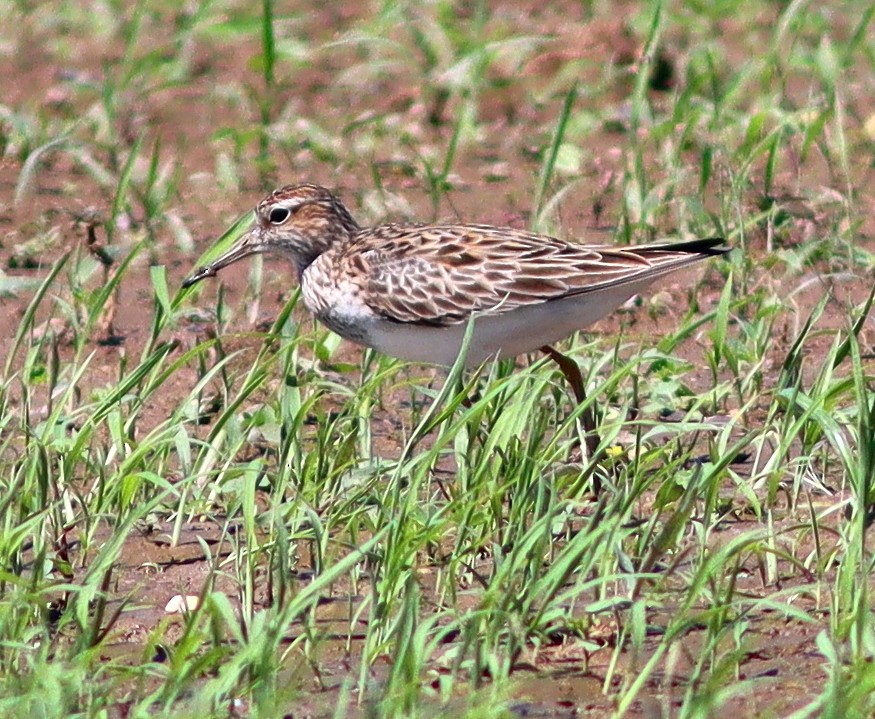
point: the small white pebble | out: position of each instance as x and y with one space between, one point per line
180 604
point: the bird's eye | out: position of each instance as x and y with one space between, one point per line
278 215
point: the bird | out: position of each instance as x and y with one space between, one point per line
410 290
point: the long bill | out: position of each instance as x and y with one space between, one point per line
248 244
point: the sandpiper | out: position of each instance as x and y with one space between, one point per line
410 290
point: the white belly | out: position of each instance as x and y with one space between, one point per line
501 335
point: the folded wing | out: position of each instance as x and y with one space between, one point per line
442 275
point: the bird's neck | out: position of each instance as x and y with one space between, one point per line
323 243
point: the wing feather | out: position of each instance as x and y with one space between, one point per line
442 275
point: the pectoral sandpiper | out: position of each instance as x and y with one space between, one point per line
409 290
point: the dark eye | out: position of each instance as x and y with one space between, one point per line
278 215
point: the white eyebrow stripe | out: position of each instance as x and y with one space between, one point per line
293 203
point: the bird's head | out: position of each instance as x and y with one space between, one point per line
298 222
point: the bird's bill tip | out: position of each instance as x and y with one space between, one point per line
200 273
244 247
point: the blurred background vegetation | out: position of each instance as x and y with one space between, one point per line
354 540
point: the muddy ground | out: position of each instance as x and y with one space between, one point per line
492 182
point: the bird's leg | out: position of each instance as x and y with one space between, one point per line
569 369
572 374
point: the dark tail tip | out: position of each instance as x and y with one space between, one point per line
711 246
